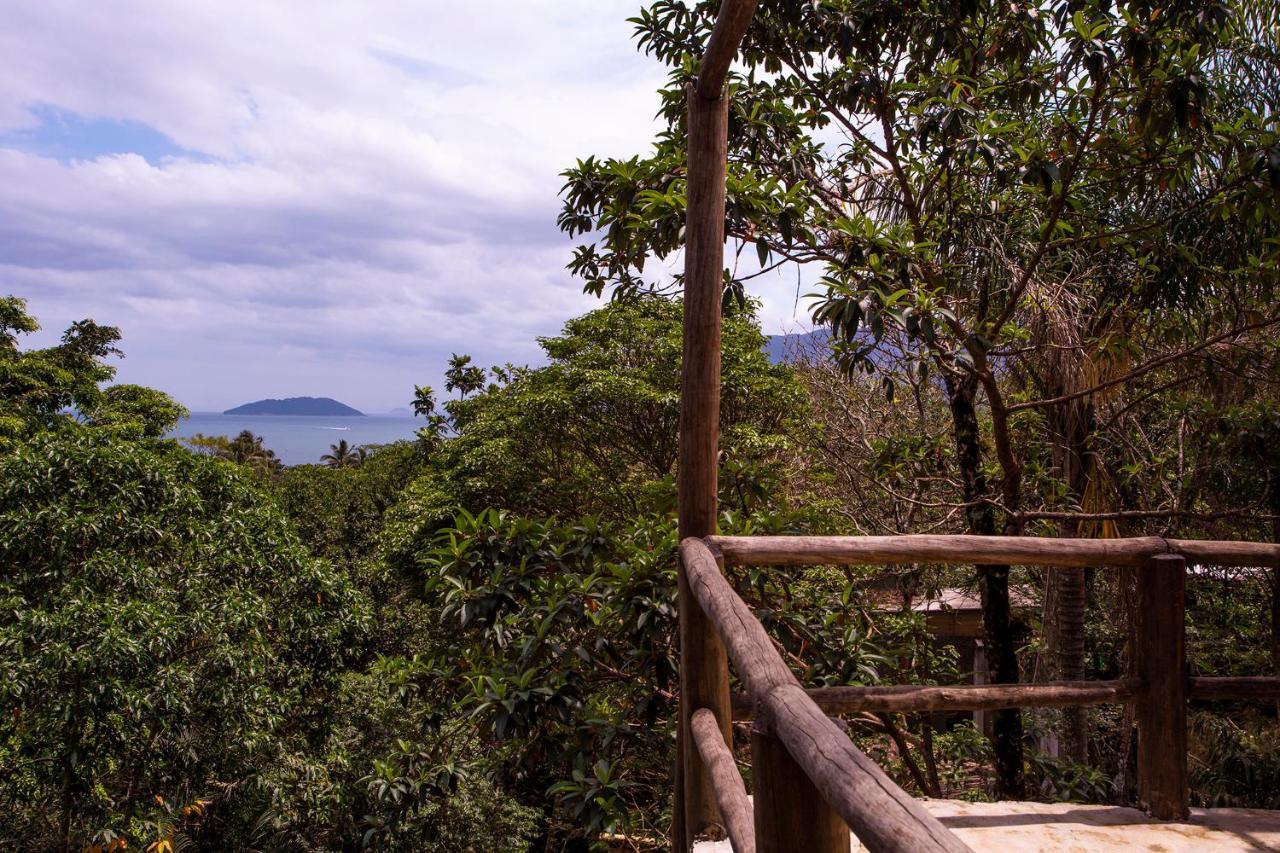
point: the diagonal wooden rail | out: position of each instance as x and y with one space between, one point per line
881 814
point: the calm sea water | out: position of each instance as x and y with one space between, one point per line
299 439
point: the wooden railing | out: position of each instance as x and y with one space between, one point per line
812 785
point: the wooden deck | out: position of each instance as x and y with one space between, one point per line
1061 827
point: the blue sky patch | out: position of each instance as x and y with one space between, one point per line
67 136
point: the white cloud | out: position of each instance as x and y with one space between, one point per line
376 187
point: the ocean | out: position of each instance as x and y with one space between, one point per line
301 439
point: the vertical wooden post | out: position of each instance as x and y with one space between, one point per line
1162 708
704 667
790 813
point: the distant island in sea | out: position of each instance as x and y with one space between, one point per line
320 406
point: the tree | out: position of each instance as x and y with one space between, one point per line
595 430
49 388
136 410
245 449
164 634
424 401
339 510
37 386
14 321
986 148
424 406
341 455
46 388
462 376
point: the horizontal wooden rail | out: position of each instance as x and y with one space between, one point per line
1235 687
966 697
731 793
879 812
1001 550
963 697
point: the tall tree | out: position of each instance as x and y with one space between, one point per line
594 431
983 149
163 633
463 376
245 449
341 455
60 385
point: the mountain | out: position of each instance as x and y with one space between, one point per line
296 406
781 348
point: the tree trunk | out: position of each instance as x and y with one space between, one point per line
71 734
1070 657
1275 610
994 584
1071 426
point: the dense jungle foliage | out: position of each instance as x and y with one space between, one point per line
1045 241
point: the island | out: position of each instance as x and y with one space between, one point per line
321 406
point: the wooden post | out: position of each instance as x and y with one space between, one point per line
704 668
1162 706
790 813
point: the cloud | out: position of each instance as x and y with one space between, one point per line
285 198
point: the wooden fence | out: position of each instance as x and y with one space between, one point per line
811 784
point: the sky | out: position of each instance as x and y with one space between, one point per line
279 199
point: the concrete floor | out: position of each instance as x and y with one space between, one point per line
1015 827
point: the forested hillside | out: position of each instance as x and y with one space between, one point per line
1047 254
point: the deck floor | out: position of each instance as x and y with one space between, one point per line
1017 827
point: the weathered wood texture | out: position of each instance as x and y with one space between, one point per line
704 683
1236 687
703 291
1003 550
704 678
704 675
880 813
790 813
1160 656
757 662
964 697
731 793
731 24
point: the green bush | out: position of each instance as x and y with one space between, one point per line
162 635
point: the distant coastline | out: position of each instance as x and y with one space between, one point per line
301 439
307 406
